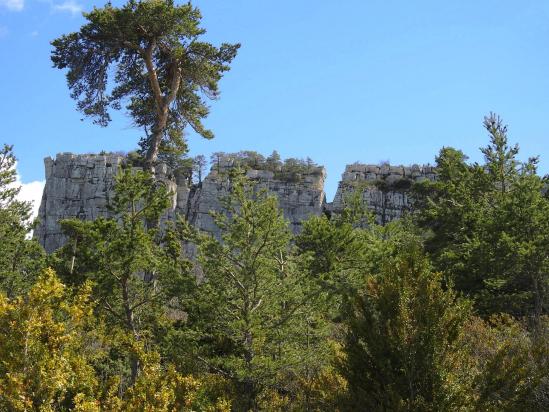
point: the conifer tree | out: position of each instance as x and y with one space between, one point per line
20 258
135 270
488 226
255 314
400 330
163 71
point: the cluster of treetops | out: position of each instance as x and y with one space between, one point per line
195 168
443 310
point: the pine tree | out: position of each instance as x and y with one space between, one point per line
136 271
199 166
254 313
151 51
20 258
488 227
400 330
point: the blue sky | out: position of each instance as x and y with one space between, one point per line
339 81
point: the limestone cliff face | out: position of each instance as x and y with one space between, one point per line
299 198
384 189
80 186
76 186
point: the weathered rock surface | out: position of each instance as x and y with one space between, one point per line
298 200
384 189
76 186
81 185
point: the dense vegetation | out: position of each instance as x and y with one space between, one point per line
443 310
290 170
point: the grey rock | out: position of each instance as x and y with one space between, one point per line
80 186
379 188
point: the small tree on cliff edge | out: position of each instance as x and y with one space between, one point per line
163 73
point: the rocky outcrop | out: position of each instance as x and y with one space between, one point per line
383 189
76 186
299 197
80 186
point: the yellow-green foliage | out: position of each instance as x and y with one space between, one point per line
43 362
158 389
48 342
502 365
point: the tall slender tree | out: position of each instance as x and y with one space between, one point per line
133 268
147 55
199 166
488 226
255 314
20 258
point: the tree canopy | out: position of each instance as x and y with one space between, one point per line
20 257
487 226
149 57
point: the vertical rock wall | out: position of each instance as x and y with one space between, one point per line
384 189
299 198
80 186
76 186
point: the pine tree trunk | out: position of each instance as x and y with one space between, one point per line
155 140
162 102
538 304
134 360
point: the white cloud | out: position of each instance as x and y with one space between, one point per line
70 6
31 192
14 5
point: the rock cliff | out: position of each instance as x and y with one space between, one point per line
384 189
299 196
81 185
76 186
